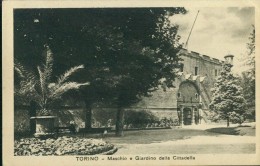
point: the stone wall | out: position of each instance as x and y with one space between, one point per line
99 119
165 113
207 66
159 99
204 80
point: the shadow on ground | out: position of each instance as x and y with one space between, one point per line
242 130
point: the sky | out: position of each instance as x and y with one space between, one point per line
217 31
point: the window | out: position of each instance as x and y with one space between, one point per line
216 72
179 94
196 71
196 96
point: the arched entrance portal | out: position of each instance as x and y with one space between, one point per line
187 116
188 99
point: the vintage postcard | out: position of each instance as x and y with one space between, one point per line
130 82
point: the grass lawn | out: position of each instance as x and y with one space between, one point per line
243 130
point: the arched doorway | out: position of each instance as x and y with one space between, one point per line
196 115
188 99
187 116
188 93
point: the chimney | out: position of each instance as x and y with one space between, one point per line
229 59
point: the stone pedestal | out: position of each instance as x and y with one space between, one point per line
44 125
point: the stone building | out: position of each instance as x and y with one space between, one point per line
189 100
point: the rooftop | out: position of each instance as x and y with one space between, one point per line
197 55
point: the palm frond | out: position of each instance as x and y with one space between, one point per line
19 71
43 84
27 92
68 73
66 87
48 65
38 87
23 72
28 81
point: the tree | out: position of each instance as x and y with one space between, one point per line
247 79
227 99
39 88
251 49
127 52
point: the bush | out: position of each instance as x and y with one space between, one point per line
213 117
233 117
165 122
21 122
104 116
139 119
250 114
176 122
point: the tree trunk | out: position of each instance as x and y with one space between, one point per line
120 122
88 118
33 107
227 121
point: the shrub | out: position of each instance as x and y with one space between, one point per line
165 122
250 114
104 116
213 117
139 119
176 122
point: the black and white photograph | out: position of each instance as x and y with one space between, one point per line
158 84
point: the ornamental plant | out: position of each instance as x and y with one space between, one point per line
38 86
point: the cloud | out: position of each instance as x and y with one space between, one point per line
213 15
246 14
242 28
241 32
208 27
218 31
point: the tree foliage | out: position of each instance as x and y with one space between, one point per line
251 48
113 44
39 88
127 52
247 79
228 100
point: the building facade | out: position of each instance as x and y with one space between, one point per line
189 100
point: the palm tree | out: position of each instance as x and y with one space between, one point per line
39 88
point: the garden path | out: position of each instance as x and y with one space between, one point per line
183 141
